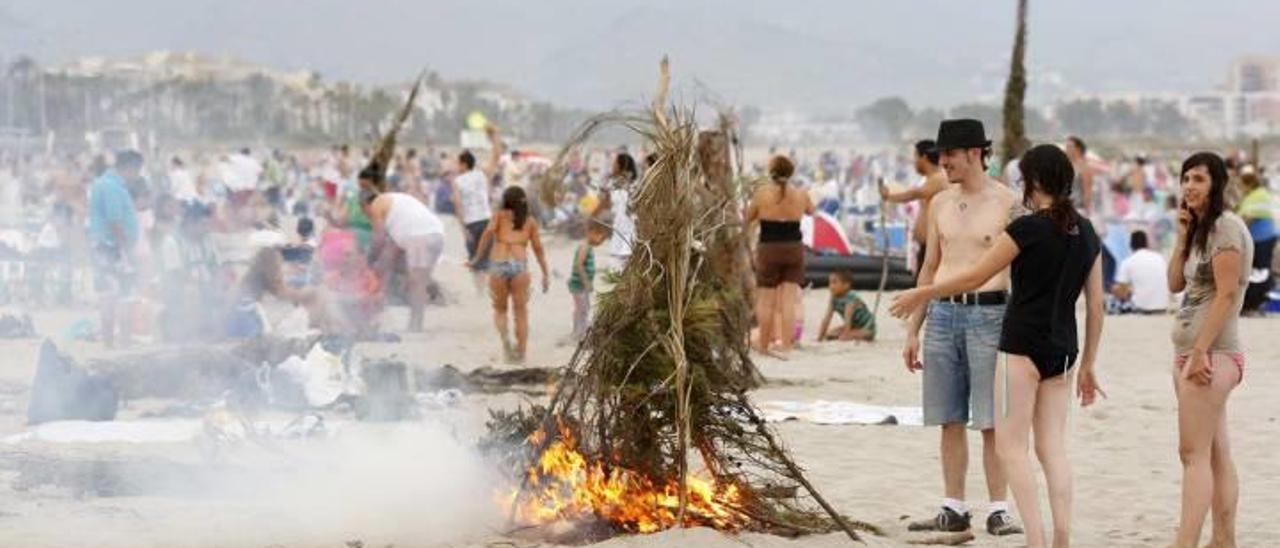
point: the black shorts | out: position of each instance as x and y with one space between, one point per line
479 262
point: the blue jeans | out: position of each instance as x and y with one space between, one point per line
960 347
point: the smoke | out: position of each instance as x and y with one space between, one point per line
398 484
404 484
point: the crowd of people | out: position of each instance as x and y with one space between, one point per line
1001 254
197 246
1003 257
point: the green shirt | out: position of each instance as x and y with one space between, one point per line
576 283
359 223
862 317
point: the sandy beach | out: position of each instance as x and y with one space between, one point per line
419 485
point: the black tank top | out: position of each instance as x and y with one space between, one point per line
779 231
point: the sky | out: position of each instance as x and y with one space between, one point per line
806 55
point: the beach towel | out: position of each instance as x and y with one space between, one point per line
840 412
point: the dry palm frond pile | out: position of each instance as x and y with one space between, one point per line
657 389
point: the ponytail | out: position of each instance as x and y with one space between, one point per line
1045 168
780 170
1063 214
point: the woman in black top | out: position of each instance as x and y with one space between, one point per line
1053 253
778 207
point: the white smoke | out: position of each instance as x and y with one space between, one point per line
403 484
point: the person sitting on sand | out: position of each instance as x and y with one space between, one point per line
1140 285
511 231
266 277
859 322
582 280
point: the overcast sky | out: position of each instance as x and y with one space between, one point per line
823 55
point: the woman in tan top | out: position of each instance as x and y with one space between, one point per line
512 230
1211 263
778 207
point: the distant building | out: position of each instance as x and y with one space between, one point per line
1254 74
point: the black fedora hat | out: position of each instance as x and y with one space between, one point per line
961 133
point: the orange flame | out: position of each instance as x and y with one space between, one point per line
563 486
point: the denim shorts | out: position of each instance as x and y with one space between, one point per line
960 347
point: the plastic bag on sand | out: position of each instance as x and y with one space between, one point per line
440 399
321 374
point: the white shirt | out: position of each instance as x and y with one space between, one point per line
624 228
1145 271
183 185
1014 175
473 192
241 172
408 218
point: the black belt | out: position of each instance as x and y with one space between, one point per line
985 298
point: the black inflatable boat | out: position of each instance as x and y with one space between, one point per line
866 270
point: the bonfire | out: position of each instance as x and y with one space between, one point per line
650 426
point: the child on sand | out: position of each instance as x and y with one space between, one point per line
582 280
859 323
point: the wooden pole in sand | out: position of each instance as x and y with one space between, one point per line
884 250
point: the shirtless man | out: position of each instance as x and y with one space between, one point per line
1083 190
935 181
960 345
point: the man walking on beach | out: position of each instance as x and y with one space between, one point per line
960 345
471 193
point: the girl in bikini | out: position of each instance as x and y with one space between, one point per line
511 231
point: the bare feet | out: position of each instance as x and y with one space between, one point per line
768 352
508 351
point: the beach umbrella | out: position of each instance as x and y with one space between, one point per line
824 234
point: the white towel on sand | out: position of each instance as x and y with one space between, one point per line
840 412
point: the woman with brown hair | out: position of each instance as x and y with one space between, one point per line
778 206
1053 256
511 231
1211 262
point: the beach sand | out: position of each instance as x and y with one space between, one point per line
1124 450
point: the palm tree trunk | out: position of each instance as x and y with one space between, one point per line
1015 90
